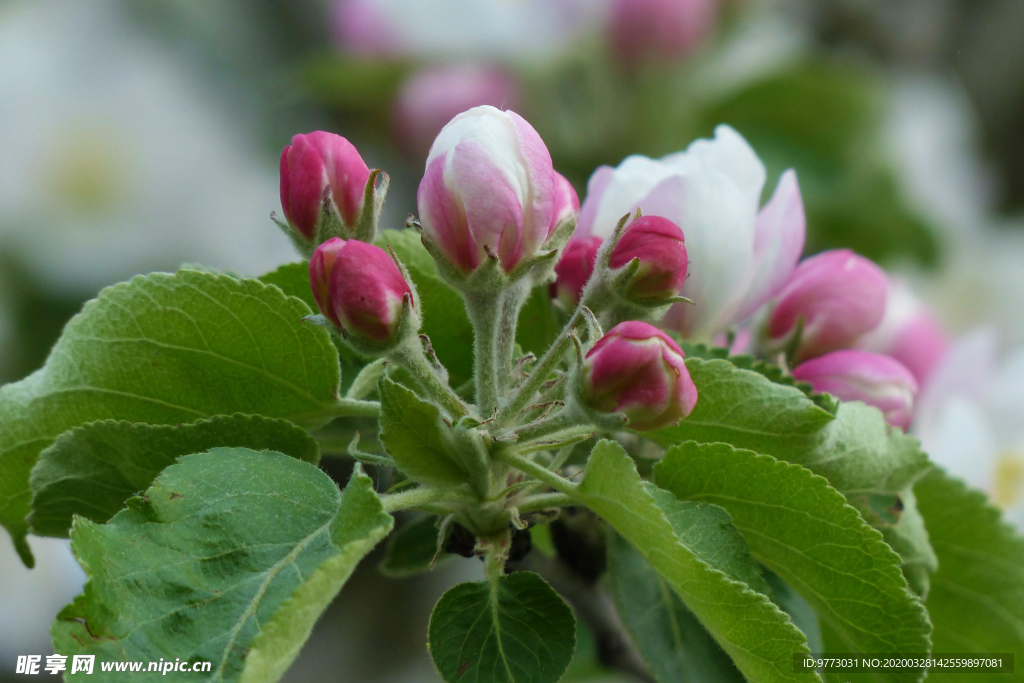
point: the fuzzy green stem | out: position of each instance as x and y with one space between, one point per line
512 300
484 309
537 471
349 407
411 357
560 421
545 501
540 372
423 496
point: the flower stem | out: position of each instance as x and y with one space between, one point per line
423 496
350 407
537 471
411 357
540 372
484 310
512 300
544 501
560 421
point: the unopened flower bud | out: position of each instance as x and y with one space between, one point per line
875 379
566 203
432 97
657 244
488 191
910 333
361 290
838 297
659 30
638 371
574 269
323 186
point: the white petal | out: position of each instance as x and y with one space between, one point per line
727 153
719 231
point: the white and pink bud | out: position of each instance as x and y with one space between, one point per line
872 378
659 30
431 98
657 245
573 270
488 192
910 333
832 299
638 371
362 291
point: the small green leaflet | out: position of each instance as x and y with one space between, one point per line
166 349
414 435
760 638
803 530
512 629
93 469
230 557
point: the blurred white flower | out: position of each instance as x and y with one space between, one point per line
970 419
524 30
931 133
117 159
31 598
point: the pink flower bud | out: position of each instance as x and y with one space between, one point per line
658 243
566 202
362 28
839 295
358 287
321 172
659 30
489 186
636 369
875 379
910 333
431 98
574 269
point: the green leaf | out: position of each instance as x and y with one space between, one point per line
230 557
803 530
538 325
93 469
414 435
444 313
415 547
670 638
976 600
512 629
855 450
166 349
803 615
758 636
293 280
771 371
